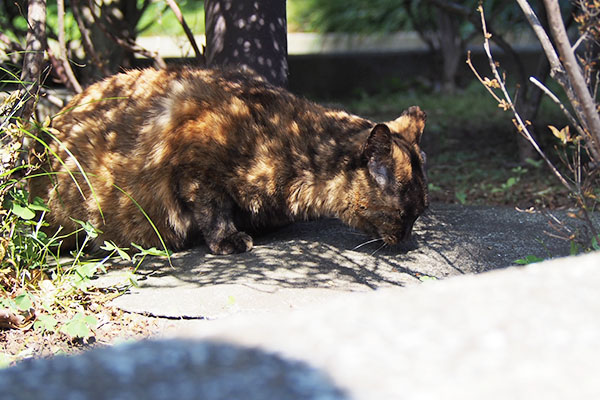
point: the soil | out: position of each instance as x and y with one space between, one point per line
114 326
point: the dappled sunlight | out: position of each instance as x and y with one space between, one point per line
447 240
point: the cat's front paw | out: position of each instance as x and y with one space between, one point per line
239 242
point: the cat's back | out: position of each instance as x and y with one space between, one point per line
153 102
116 106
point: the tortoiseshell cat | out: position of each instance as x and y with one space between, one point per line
214 154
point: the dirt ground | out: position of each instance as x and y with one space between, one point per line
114 326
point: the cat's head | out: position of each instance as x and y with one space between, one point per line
393 192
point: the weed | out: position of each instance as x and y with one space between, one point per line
42 287
530 259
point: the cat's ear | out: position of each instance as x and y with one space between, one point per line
410 124
377 152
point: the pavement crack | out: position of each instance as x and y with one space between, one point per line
169 317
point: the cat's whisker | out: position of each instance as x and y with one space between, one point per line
367 242
380 247
357 233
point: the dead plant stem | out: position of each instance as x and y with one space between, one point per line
521 126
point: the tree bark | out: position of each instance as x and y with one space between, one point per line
34 56
452 49
63 53
589 116
248 33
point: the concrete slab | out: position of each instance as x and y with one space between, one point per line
308 263
517 333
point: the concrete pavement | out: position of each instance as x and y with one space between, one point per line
308 262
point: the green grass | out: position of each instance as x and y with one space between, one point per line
159 19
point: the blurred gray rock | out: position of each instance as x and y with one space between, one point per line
166 370
520 333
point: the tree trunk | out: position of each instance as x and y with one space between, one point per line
451 48
248 33
101 24
34 56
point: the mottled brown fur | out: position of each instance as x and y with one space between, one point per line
214 154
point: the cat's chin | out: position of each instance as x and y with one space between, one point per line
400 238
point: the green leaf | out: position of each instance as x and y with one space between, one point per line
595 244
83 273
45 323
110 246
88 228
574 249
87 270
511 182
5 302
24 302
22 212
534 163
461 195
133 280
80 326
530 259
433 188
38 205
151 252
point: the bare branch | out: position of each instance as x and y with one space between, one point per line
480 79
556 69
127 43
71 79
186 29
34 55
591 120
86 39
520 124
556 100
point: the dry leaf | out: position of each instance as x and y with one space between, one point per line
492 83
504 105
563 135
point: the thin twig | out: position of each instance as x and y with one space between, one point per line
480 79
186 29
34 55
521 126
555 99
557 70
86 39
72 80
127 43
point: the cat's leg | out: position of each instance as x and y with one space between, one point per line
215 220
